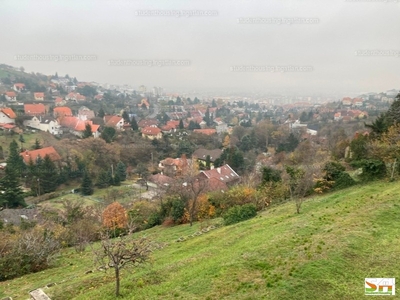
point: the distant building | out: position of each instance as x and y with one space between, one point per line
224 173
7 116
152 133
34 109
10 96
33 155
38 96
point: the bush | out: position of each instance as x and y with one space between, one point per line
343 180
372 169
239 213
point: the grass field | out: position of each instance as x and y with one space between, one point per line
323 253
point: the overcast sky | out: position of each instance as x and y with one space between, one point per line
210 45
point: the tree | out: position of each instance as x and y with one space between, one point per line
22 140
87 132
208 162
14 160
11 195
103 180
47 175
101 113
37 145
181 124
115 216
120 252
213 103
1 153
300 181
87 185
108 134
121 171
134 124
125 116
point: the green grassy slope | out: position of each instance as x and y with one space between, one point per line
323 253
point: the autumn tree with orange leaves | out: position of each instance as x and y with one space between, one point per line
115 217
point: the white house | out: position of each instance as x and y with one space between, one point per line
46 124
7 116
11 96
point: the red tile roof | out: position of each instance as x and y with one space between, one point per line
151 130
19 85
76 124
225 173
33 154
9 112
112 121
209 131
38 95
147 122
62 111
11 94
34 109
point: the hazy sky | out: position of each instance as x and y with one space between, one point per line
211 45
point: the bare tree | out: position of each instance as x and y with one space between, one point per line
120 252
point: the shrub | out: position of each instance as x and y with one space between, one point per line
343 180
239 213
372 169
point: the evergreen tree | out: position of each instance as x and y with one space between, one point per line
87 132
134 124
110 179
103 180
208 162
87 185
37 145
214 103
108 134
22 140
125 116
101 113
15 160
207 118
48 175
11 195
116 179
121 171
181 124
1 153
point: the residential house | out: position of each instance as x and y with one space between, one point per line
72 96
347 101
33 155
358 102
224 173
85 113
209 131
147 123
62 111
76 126
161 180
36 109
144 104
221 126
114 121
174 166
11 96
152 132
337 116
19 87
38 96
201 155
59 101
50 124
7 116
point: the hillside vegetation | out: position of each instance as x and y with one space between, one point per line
323 253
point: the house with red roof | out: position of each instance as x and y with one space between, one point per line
10 96
85 113
62 111
152 132
38 96
347 101
33 155
147 123
114 121
59 101
19 87
174 166
36 109
208 131
224 173
144 104
7 116
75 97
77 126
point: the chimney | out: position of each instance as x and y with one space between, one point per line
219 170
